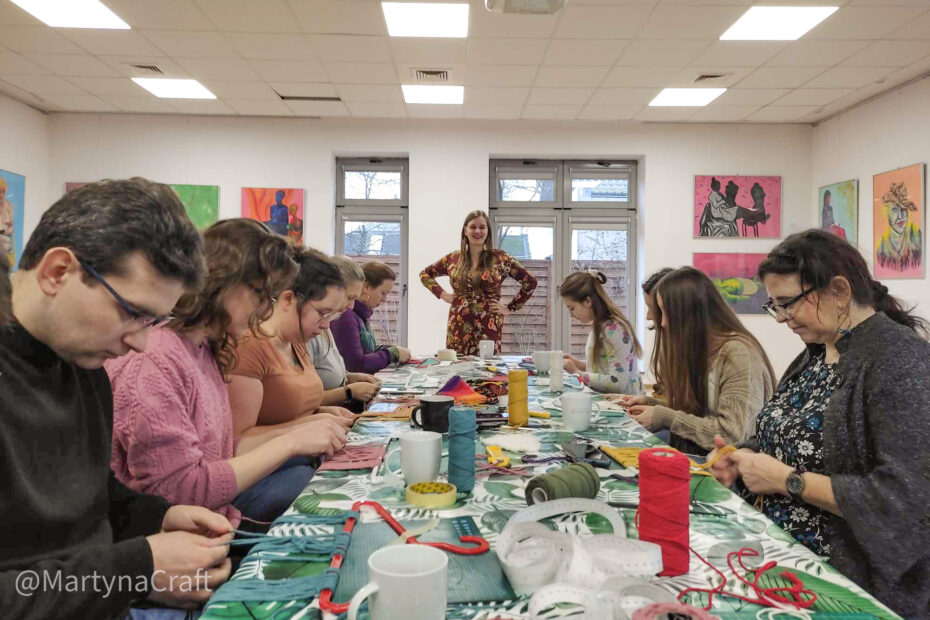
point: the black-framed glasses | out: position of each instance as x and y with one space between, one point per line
777 311
140 318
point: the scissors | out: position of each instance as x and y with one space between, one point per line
580 451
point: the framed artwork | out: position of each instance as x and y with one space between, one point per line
202 203
281 209
838 209
12 212
736 277
898 208
737 206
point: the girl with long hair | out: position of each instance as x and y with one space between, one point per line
714 373
476 271
612 350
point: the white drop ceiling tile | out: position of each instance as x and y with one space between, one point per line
689 22
361 72
666 114
740 53
296 89
428 50
179 44
81 103
372 93
852 22
781 114
13 64
259 107
750 96
890 2
813 96
102 86
493 110
609 112
511 51
551 111
252 91
779 77
495 95
12 15
99 42
26 97
577 77
290 70
592 52
621 2
890 54
230 69
262 46
318 108
368 109
339 16
250 15
39 39
917 28
349 48
816 53
661 53
423 110
161 15
148 104
484 24
500 75
559 96
742 3
73 65
124 66
201 106
723 113
640 77
848 77
44 84
629 96
582 21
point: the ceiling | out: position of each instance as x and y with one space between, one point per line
595 60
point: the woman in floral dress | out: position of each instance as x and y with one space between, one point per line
477 312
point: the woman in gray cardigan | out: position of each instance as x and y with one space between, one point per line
839 453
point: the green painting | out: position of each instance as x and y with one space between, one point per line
202 203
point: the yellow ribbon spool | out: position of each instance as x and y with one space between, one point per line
431 494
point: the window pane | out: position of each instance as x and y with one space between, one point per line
373 240
528 329
606 251
372 185
526 190
600 190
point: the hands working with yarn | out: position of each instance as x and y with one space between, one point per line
573 365
642 414
761 473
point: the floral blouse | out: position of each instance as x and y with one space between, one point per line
615 369
790 428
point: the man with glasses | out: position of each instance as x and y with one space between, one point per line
106 263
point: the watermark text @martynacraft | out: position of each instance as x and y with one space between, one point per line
28 582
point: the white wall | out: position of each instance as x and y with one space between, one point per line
448 176
24 149
888 133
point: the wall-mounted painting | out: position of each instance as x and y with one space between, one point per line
12 212
281 209
737 206
838 206
898 209
736 277
202 203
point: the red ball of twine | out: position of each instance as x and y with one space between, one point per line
663 515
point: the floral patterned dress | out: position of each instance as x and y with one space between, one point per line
471 317
790 428
615 369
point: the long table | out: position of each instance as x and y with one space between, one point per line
720 520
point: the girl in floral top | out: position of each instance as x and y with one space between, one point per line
477 313
612 350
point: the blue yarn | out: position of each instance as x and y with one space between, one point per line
266 590
462 427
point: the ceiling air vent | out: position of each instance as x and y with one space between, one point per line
147 69
431 75
711 78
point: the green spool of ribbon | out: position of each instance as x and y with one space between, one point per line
575 480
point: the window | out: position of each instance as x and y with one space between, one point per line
371 224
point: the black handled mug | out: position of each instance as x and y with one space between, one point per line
433 413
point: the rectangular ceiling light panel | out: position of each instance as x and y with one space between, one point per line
174 88
73 14
418 93
426 19
776 23
694 97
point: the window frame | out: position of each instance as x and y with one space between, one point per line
371 164
513 167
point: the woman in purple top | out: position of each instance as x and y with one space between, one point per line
352 333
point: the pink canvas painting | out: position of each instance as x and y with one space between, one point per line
737 206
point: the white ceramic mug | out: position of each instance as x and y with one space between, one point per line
486 348
576 411
406 581
541 361
420 457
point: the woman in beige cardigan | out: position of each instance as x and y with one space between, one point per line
714 373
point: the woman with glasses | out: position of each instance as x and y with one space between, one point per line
838 456
172 423
714 374
275 388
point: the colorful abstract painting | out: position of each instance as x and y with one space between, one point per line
737 206
898 207
838 209
12 212
202 203
281 209
736 278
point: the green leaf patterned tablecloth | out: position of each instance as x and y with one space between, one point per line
720 521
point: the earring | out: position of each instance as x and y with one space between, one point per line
841 319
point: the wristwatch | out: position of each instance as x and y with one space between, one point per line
794 484
348 393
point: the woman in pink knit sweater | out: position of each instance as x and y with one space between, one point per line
172 424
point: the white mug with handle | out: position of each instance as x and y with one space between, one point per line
406 581
576 411
420 458
486 349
